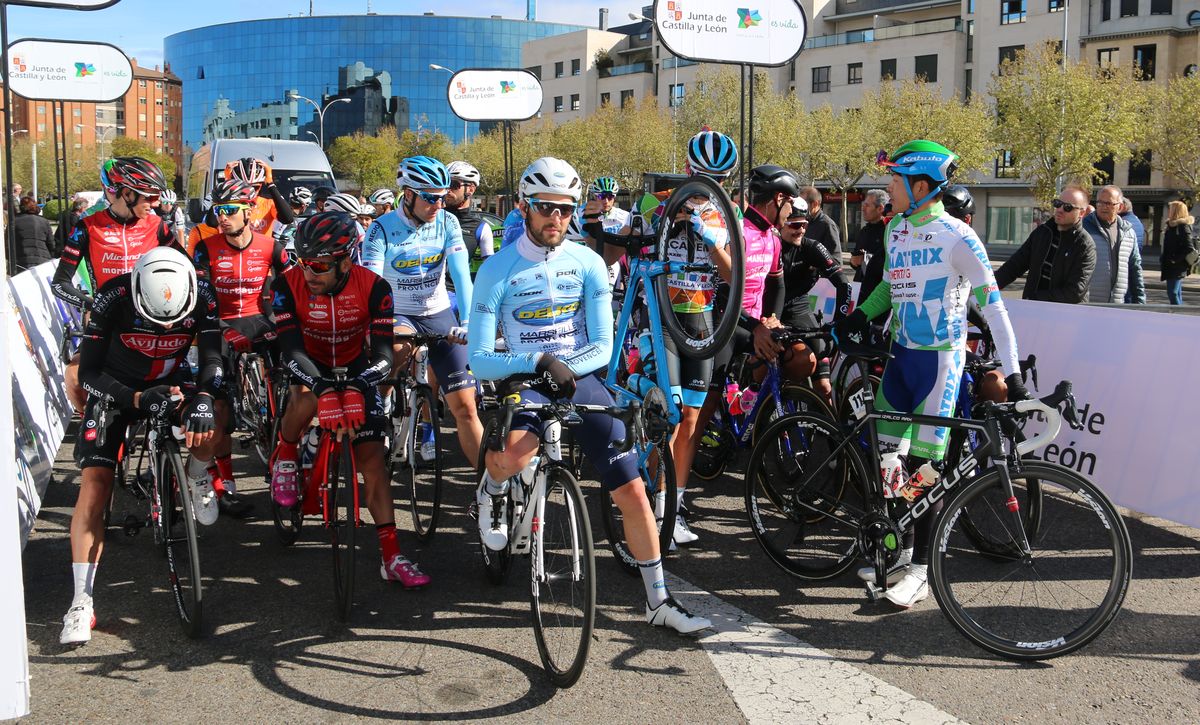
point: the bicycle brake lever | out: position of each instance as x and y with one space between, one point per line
1071 413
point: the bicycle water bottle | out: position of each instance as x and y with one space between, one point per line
733 398
645 346
747 399
633 361
308 452
891 470
925 477
640 383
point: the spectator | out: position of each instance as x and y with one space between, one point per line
1059 255
1139 229
33 240
820 226
1179 250
67 221
1118 274
867 253
14 200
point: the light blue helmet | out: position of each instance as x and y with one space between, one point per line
422 173
711 153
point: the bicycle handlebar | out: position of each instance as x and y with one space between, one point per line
1048 407
559 409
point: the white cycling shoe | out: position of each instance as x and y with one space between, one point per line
672 614
911 589
493 533
204 500
79 621
683 533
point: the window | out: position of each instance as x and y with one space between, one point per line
626 98
1107 168
676 95
605 99
41 110
141 101
574 101
1012 11
76 112
1143 60
887 68
1006 167
970 7
1160 7
854 74
1057 6
41 128
158 85
970 40
926 67
967 78
1139 169
536 70
1009 53
558 69
1108 57
141 117
1106 10
558 104
158 118
1129 8
575 70
820 79
1009 224
141 84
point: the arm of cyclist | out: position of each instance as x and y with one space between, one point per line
380 336
63 282
199 418
484 240
93 349
458 265
970 260
831 269
283 210
374 248
485 361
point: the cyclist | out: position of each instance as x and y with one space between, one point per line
109 242
476 232
333 313
413 247
133 357
934 263
603 191
567 346
238 262
320 194
959 203
298 199
270 205
383 200
514 225
168 209
366 215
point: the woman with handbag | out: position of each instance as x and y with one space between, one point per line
1179 250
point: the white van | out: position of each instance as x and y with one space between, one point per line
293 163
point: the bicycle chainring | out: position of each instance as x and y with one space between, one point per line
879 535
655 416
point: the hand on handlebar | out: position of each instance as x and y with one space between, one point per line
236 340
765 345
1016 388
457 335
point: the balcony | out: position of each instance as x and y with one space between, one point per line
674 62
628 69
871 35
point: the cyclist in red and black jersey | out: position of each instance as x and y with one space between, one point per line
239 262
133 361
331 313
111 241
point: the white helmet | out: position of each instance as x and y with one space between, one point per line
382 196
368 209
168 197
164 286
343 202
462 171
799 206
549 175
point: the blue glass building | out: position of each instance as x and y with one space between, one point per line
254 63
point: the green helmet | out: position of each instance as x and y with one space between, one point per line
605 184
923 158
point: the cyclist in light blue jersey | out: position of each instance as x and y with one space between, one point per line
412 247
552 304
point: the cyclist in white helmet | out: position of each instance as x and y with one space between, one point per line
476 233
383 199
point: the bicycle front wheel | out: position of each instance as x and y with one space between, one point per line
179 537
1049 602
658 473
563 595
342 524
424 464
794 399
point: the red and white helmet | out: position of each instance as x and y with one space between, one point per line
164 286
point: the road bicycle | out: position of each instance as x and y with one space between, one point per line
415 446
256 398
817 502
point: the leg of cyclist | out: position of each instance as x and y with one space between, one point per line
252 328
75 392
690 380
285 475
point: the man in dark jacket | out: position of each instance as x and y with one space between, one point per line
1058 255
867 253
820 226
33 240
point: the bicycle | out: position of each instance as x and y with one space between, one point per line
255 398
549 524
1002 599
415 448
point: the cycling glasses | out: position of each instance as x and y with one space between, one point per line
797 224
456 185
316 266
548 208
605 195
1060 204
152 198
433 199
228 209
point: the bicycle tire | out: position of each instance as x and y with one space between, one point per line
845 412
256 381
707 347
657 470
804 519
424 482
179 540
563 553
1077 517
495 563
342 529
289 520
796 399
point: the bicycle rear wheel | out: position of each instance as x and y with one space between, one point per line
803 500
179 538
424 476
658 473
256 404
563 570
795 399
342 526
1045 604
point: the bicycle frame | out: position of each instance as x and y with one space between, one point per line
420 376
768 387
329 449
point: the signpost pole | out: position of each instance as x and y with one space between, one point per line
66 172
8 129
742 131
750 118
58 185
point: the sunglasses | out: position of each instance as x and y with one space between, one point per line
456 185
228 209
604 195
152 198
796 225
548 208
433 199
318 267
1060 204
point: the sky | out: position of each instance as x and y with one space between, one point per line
139 26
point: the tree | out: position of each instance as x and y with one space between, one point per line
839 148
369 161
126 146
1059 119
1173 110
900 111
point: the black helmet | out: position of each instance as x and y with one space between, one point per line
327 233
958 201
772 179
321 193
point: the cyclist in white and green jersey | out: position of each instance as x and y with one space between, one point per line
935 263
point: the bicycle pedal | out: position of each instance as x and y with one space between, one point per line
874 593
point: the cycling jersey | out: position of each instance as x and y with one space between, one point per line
762 246
803 264
476 232
693 291
108 248
239 275
414 260
541 300
339 329
174 219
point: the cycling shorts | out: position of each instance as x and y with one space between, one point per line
690 378
378 427
88 451
924 382
595 435
449 361
741 342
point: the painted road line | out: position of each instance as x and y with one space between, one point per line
774 677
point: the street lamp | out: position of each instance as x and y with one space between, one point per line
320 111
670 95
310 133
435 66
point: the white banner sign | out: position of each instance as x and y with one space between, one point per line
764 33
65 70
480 94
66 4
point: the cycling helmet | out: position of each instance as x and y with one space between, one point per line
711 153
799 207
462 171
249 169
605 184
382 196
321 193
549 175
300 195
107 183
327 233
922 158
168 198
422 173
574 231
137 174
234 191
164 286
343 202
368 209
772 179
958 201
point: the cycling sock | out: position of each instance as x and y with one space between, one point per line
197 469
679 498
85 576
217 484
660 505
388 546
654 581
287 449
493 488
225 468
